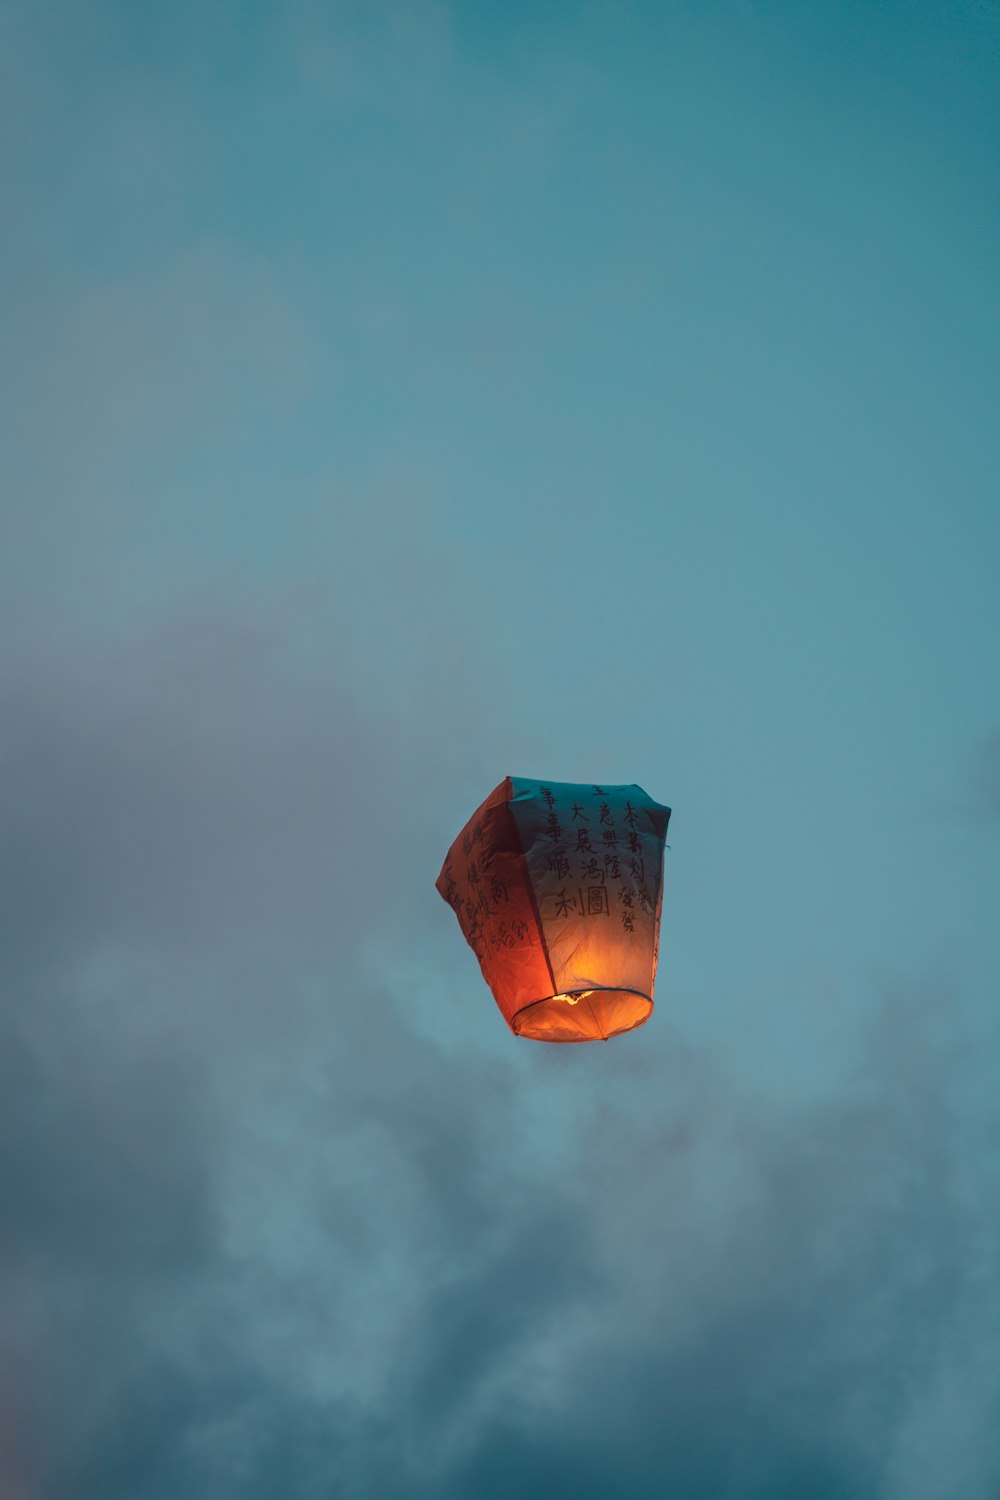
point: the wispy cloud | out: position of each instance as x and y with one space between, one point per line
260 1223
985 776
337 485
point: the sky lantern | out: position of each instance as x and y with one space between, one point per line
558 888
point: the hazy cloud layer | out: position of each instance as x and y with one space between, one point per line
986 776
260 1231
401 396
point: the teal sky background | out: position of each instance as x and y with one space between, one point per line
397 397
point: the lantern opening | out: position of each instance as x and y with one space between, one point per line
583 1015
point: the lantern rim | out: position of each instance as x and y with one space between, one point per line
592 1014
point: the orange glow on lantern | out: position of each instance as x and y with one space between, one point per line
558 888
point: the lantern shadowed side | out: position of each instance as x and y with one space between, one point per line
558 888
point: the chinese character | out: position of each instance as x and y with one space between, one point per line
609 836
578 813
583 844
553 828
520 930
592 871
474 934
605 813
559 864
633 842
637 871
628 921
497 889
502 938
473 872
564 904
546 792
597 901
626 895
612 866
630 816
599 791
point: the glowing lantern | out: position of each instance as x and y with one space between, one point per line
558 889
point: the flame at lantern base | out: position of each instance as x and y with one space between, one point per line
583 1016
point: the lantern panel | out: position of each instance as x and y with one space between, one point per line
486 882
558 888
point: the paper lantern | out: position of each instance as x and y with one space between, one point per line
558 889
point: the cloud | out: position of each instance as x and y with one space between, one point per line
219 1125
986 776
389 56
110 380
268 1230
286 1211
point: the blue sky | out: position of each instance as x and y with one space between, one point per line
397 397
